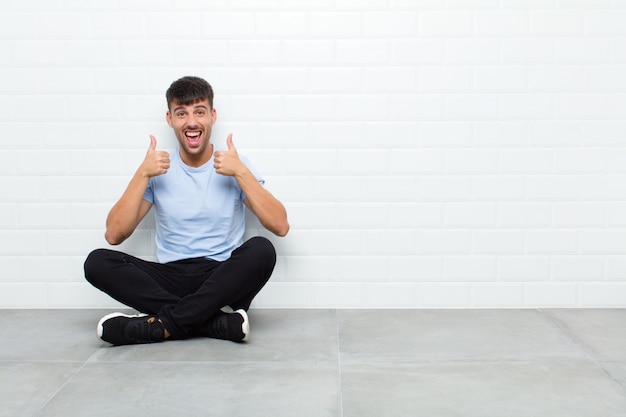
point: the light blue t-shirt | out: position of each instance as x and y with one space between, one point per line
198 212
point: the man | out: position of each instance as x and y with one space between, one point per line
206 276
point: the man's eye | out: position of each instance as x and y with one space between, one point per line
180 114
200 113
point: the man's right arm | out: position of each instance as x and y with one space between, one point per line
131 208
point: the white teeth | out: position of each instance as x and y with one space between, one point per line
192 134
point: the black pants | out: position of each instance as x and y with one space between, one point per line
184 294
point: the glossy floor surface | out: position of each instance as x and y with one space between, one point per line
317 363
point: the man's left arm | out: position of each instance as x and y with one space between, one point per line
270 212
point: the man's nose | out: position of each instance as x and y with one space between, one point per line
192 121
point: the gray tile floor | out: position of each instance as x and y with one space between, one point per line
351 363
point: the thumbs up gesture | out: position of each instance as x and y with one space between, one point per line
156 162
227 162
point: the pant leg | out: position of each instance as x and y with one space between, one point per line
142 285
234 282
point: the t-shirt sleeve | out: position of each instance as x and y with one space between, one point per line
252 169
148 195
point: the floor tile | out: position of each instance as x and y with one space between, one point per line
277 336
48 335
25 387
392 336
571 389
199 389
617 371
602 332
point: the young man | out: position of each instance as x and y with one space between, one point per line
206 276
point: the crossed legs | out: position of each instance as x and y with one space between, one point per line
185 296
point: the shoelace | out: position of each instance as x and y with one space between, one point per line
142 330
220 326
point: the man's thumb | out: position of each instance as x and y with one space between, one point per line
229 142
152 143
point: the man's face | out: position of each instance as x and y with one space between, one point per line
192 125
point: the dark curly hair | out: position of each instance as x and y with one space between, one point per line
187 90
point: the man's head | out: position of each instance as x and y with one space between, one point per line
188 90
191 114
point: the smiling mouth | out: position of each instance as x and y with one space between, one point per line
193 138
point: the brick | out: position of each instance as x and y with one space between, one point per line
445 23
412 107
469 268
228 25
472 107
506 79
557 23
335 24
524 268
445 134
306 52
415 268
605 22
330 80
553 79
603 241
413 215
578 268
579 214
413 161
526 107
497 295
117 25
497 188
443 188
583 50
525 215
403 189
498 241
470 215
385 80
283 24
444 295
362 215
402 295
552 295
553 188
553 241
471 161
390 24
528 51
362 52
555 133
581 160
472 51
416 51
444 242
535 161
501 23
445 79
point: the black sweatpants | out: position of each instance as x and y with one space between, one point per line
184 294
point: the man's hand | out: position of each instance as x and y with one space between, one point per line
227 162
156 162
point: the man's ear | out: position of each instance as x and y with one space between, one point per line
168 117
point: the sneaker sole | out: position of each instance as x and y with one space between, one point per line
245 326
100 328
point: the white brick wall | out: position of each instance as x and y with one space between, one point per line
431 154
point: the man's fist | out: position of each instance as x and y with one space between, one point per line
156 162
227 162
